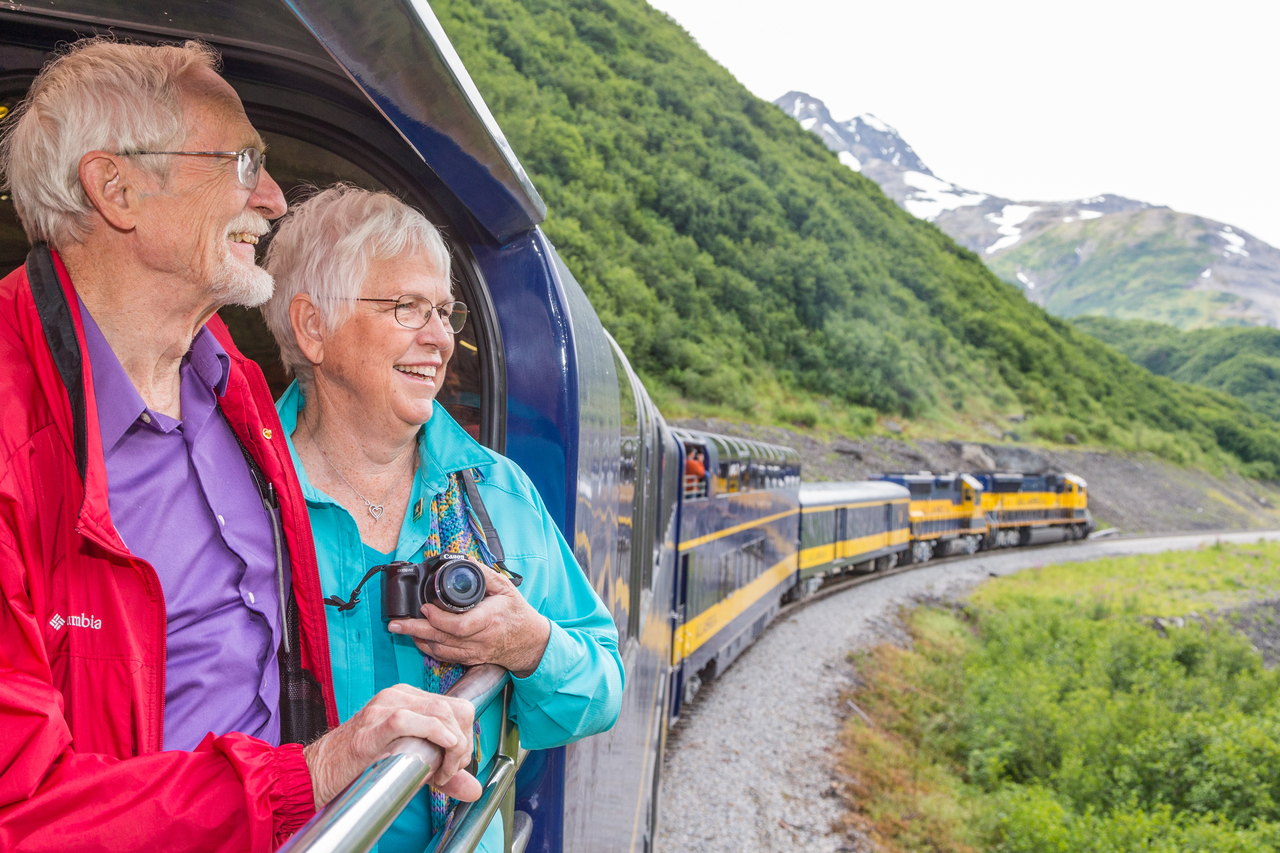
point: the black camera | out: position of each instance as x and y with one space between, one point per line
450 581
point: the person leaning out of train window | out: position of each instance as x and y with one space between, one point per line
693 464
144 647
365 318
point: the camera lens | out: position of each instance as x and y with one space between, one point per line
459 585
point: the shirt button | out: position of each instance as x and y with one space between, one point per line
252 600
222 521
146 419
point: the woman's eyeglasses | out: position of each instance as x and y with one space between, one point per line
414 312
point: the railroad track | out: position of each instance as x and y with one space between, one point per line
843 583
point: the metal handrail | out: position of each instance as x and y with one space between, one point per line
353 821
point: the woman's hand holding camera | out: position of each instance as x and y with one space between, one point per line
400 711
502 629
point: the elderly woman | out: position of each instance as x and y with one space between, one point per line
365 318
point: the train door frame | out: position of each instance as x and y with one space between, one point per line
290 98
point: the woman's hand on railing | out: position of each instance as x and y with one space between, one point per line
400 711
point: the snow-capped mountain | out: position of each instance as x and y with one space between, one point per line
857 140
1105 255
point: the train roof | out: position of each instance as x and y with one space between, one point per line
397 55
732 448
839 494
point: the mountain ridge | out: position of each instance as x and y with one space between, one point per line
1198 272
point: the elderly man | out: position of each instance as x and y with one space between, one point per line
162 640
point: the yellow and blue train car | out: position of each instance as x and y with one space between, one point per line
851 526
735 553
1016 504
946 514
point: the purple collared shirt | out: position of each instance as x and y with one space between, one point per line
182 498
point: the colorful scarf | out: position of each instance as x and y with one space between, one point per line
451 532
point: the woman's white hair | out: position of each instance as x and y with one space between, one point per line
323 248
101 95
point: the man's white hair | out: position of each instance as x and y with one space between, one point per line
323 248
101 95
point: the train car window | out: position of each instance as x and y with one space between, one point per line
628 494
695 471
818 528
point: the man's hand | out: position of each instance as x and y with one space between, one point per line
400 711
502 629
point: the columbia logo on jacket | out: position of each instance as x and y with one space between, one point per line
81 621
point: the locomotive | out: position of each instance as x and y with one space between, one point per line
692 566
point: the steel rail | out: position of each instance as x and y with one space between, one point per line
353 821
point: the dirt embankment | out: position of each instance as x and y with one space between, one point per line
1137 493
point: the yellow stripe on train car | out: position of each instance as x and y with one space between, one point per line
692 634
737 528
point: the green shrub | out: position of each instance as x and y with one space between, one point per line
1076 723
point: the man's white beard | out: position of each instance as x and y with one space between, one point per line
237 284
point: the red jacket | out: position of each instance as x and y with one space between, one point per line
82 704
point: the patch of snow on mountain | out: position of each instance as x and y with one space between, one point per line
850 161
933 196
808 123
829 129
1028 282
1089 214
1208 272
1098 199
877 124
1235 243
1008 220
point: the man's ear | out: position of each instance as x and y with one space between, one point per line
308 328
107 182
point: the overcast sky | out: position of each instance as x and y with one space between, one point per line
1171 102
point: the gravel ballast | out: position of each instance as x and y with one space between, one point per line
750 766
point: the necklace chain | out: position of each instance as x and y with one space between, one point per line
375 510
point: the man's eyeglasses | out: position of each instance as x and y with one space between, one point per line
248 161
414 312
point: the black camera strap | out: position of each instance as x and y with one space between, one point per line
490 534
338 602
490 538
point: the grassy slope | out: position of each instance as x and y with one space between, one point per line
1051 715
1131 266
742 267
1242 362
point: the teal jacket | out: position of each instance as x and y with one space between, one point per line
576 690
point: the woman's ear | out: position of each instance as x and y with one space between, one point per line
308 328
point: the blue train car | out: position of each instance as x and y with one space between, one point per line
373 93
736 551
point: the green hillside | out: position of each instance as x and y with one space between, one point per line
1242 362
742 267
1141 265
